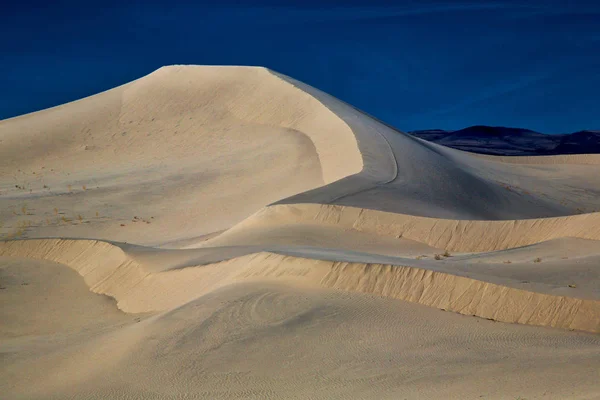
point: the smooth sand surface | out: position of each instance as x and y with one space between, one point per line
229 232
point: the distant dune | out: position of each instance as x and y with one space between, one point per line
230 232
502 141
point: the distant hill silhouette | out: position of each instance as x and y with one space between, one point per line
513 141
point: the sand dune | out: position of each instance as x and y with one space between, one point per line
261 340
455 235
249 236
471 291
204 146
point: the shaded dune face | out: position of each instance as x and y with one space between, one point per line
189 227
406 175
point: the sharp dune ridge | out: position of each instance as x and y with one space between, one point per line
108 270
194 193
453 235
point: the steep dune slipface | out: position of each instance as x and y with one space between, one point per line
403 174
241 210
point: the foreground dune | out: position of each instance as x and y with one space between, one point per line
220 211
467 291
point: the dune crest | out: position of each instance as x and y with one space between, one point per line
107 269
453 235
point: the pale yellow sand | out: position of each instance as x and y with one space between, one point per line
234 233
261 340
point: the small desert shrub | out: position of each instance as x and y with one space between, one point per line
537 260
438 257
446 254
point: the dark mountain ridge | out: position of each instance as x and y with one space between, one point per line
498 140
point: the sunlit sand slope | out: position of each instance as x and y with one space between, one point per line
195 148
273 341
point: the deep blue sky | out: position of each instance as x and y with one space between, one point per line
414 64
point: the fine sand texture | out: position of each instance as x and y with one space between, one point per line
232 233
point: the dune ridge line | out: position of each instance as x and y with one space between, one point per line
453 235
108 270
